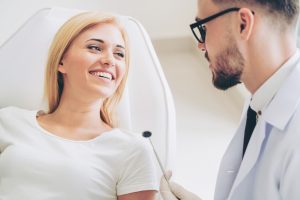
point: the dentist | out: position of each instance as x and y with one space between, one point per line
254 42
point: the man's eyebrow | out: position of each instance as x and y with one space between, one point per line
101 41
197 19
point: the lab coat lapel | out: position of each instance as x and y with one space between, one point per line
231 161
251 155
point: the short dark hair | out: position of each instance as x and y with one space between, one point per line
288 10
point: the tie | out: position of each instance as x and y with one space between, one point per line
250 124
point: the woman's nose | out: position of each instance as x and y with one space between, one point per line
107 59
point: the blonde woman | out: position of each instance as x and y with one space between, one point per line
74 151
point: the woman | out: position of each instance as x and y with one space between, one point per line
74 150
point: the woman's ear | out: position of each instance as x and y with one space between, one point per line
61 67
246 23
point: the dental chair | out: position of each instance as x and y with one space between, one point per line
147 102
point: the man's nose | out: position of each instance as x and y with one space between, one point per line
201 46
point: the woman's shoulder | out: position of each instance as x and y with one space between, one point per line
14 118
131 139
13 111
128 135
14 114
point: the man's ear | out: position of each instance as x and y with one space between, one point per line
246 23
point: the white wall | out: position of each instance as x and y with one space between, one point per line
161 18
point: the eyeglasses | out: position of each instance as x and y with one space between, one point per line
198 28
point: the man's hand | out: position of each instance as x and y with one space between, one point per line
175 191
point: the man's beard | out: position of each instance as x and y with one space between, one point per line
228 68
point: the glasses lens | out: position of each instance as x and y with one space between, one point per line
202 33
199 33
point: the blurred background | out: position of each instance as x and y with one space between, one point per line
206 117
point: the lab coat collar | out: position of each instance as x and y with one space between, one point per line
277 113
264 94
283 105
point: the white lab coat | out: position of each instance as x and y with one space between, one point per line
270 169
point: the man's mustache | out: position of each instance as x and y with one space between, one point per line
206 56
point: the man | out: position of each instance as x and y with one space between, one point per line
254 42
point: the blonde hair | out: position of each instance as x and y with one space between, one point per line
54 82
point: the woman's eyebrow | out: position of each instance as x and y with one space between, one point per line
101 41
94 39
120 46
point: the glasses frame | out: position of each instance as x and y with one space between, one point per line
199 23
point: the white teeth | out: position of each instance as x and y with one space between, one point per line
102 74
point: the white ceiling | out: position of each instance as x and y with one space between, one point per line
161 18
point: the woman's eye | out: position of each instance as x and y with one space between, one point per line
120 54
95 48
